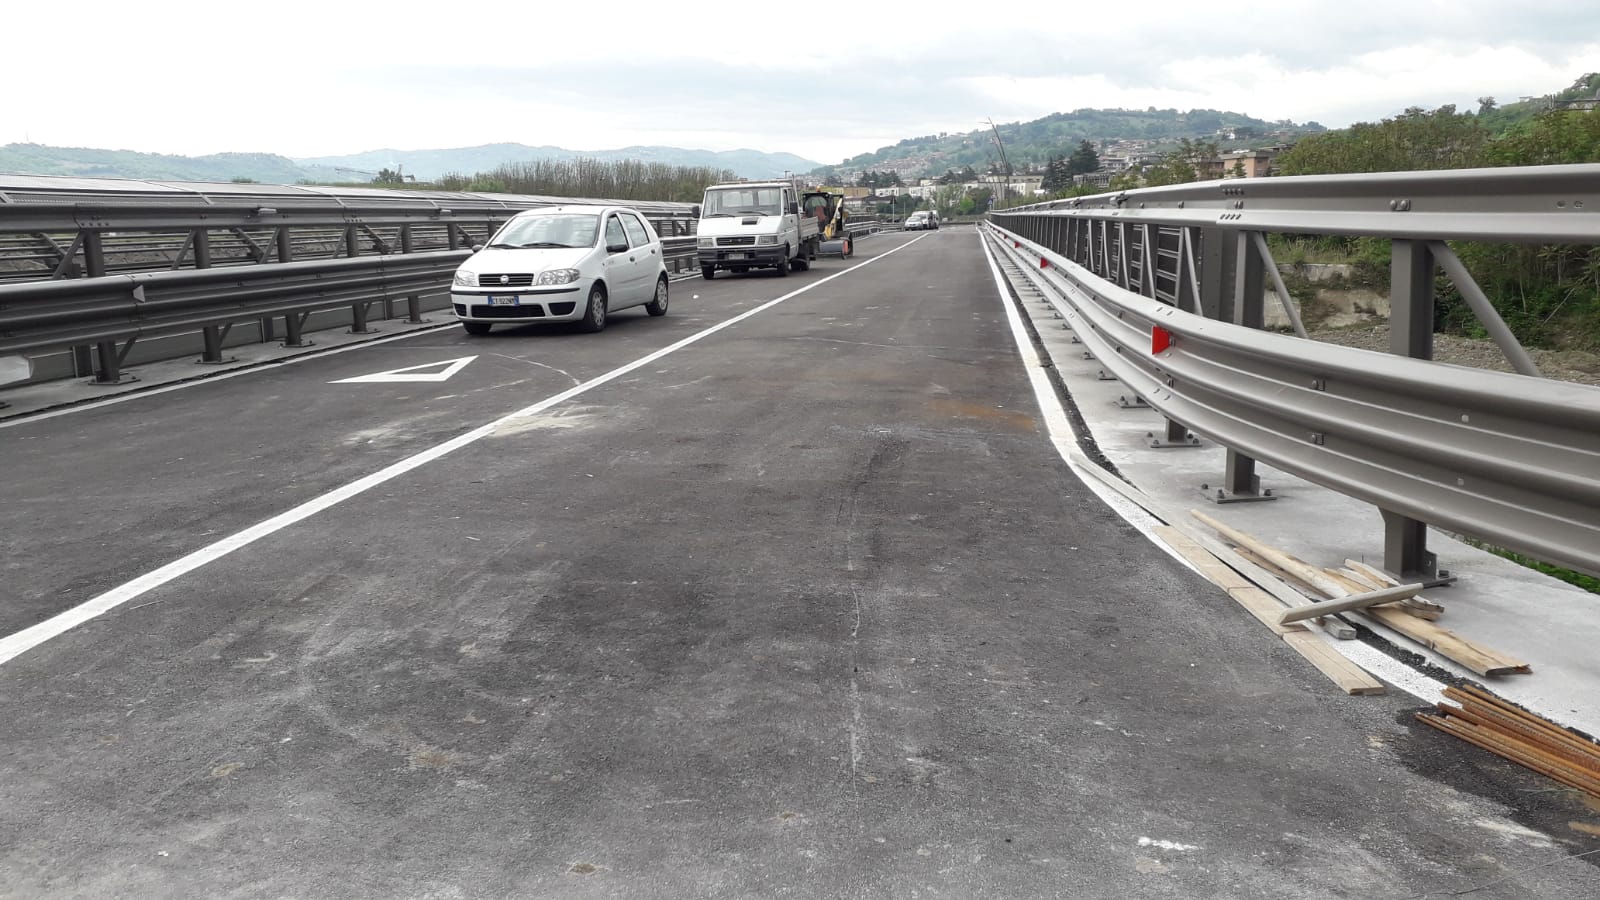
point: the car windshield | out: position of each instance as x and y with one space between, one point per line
751 201
550 230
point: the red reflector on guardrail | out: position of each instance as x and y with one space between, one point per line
1044 263
1160 339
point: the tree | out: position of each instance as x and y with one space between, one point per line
1181 165
1417 139
1557 136
1083 160
1056 176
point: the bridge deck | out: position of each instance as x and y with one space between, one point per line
808 607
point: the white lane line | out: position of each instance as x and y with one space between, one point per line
1065 440
21 642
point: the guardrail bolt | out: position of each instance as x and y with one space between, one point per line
1318 438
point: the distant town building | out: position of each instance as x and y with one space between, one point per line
1241 164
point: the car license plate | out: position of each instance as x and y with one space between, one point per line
505 301
736 256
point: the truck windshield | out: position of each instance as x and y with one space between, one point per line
752 201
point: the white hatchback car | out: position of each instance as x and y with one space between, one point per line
562 264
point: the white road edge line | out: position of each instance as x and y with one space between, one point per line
22 641
1065 440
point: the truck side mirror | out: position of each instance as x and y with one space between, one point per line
794 208
696 211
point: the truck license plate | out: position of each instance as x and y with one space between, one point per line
736 256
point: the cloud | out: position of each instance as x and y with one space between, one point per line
310 79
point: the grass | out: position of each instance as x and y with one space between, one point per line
1577 579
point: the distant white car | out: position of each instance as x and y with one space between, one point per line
562 264
920 220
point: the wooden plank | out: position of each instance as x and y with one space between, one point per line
1514 752
1334 625
1299 568
1476 657
1264 607
1214 569
1371 574
1352 601
1244 591
1548 731
1373 578
1262 579
1351 678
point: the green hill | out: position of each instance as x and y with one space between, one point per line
1031 144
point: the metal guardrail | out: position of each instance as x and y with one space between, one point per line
1506 458
98 264
53 227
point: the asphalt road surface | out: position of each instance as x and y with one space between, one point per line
806 607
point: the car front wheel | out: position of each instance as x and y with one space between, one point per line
594 319
476 327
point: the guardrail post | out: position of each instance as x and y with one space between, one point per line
1216 274
1405 540
109 368
293 324
202 248
94 260
1240 482
413 301
212 336
285 245
358 319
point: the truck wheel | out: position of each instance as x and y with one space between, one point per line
783 264
708 272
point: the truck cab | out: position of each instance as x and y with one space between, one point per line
753 225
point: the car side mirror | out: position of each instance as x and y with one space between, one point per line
476 247
616 248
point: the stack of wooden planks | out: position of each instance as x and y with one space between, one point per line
1358 588
1506 730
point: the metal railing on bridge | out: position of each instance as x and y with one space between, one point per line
91 266
1166 287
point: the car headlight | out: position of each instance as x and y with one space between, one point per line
558 276
767 239
705 243
466 279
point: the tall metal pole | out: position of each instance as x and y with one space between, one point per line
1005 163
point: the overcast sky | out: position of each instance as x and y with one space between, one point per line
826 81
